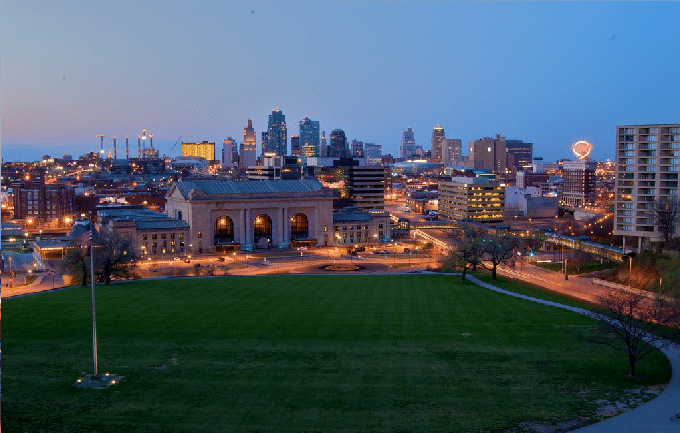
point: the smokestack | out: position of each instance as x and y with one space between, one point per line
127 149
139 146
115 152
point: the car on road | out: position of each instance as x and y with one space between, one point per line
177 259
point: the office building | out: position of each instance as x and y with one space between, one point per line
373 154
154 233
407 148
38 203
522 152
475 198
357 149
338 146
204 150
578 188
228 147
353 226
248 154
276 167
277 135
295 145
452 151
647 166
437 142
488 154
323 146
309 135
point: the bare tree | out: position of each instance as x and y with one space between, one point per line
114 255
467 252
76 261
666 215
637 325
497 250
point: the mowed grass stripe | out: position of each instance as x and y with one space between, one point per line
303 353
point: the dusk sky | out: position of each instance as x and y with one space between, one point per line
547 73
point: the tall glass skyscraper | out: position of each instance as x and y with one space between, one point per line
309 134
277 136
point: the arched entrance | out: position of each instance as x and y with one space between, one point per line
223 233
299 227
262 232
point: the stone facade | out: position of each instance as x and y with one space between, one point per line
252 214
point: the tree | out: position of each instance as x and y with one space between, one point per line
497 250
467 251
76 261
114 255
637 325
666 215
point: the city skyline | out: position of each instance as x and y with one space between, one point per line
546 73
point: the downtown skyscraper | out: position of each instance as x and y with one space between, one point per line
437 142
277 135
407 148
338 144
309 136
249 146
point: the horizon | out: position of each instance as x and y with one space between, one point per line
545 73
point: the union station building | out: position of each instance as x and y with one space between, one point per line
225 215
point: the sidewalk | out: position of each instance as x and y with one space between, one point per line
656 416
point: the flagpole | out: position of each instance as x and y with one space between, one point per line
94 317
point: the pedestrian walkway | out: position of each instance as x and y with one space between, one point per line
657 416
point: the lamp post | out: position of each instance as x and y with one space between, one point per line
302 259
630 270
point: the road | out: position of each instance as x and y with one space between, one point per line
580 287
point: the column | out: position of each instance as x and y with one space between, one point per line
286 226
241 228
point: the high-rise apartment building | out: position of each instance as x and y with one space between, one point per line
647 166
437 142
277 135
309 135
407 148
488 154
249 150
338 144
452 151
523 153
204 150
578 188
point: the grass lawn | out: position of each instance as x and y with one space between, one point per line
303 353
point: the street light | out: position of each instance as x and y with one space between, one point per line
630 269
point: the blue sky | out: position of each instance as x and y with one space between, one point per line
549 73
